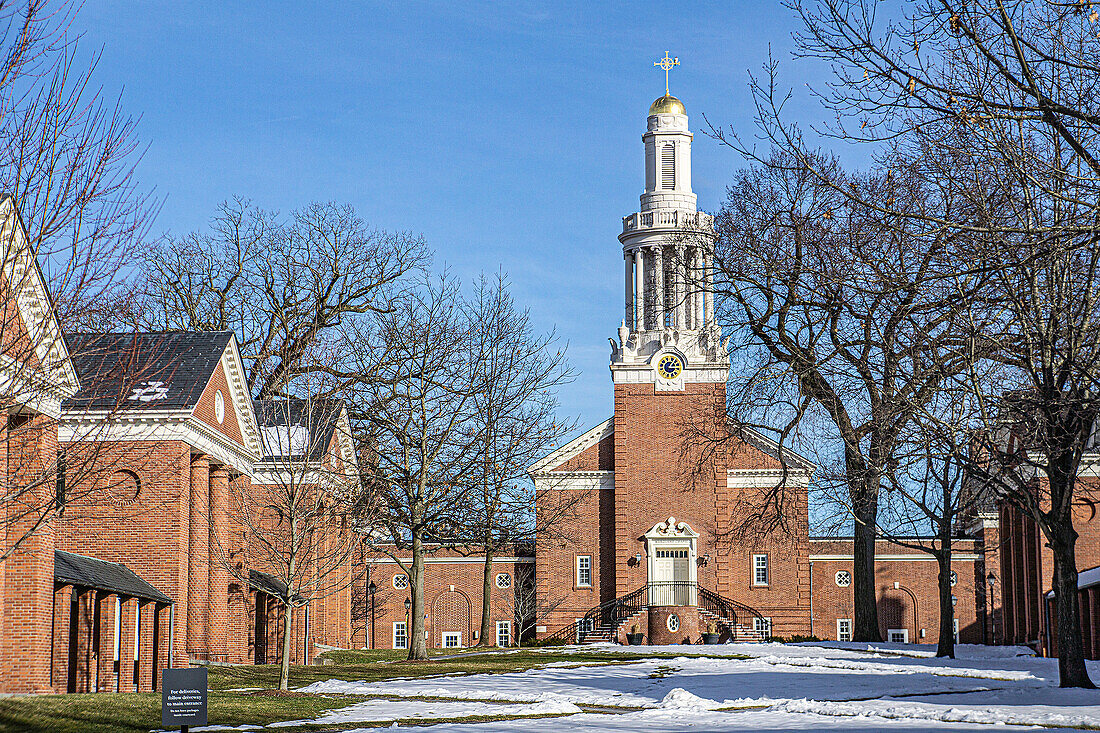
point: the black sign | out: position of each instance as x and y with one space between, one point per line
183 697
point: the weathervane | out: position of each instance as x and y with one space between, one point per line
666 63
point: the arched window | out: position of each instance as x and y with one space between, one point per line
668 166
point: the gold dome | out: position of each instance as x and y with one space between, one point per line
667 104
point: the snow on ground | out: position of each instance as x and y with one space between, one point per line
827 686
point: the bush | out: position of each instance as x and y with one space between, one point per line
793 639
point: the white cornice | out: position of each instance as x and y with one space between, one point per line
765 477
575 480
916 557
164 426
573 448
452 560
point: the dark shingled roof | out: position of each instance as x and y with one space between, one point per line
318 416
88 572
268 583
143 371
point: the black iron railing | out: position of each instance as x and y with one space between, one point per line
606 617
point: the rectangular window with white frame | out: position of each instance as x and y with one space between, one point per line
584 571
844 629
452 640
760 575
504 633
763 626
400 635
898 636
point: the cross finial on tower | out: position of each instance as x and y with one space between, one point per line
666 63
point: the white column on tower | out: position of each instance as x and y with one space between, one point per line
708 292
629 319
639 290
678 288
697 280
659 284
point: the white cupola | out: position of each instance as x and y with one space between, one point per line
666 254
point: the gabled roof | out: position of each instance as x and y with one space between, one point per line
766 445
54 378
575 447
607 428
268 583
291 427
113 577
151 371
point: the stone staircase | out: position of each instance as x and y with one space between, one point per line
604 623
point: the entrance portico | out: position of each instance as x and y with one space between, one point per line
672 573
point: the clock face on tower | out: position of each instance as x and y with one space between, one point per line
669 366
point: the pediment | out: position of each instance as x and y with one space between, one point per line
574 448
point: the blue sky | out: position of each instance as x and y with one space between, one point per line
508 134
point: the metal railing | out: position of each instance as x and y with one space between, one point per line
672 593
606 618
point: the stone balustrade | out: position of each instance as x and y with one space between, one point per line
667 219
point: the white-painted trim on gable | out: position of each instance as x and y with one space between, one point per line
739 478
233 368
573 448
55 378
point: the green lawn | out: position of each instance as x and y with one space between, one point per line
130 713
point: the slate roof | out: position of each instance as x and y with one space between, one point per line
289 427
165 370
88 572
268 583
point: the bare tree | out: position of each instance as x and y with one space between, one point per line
1009 87
283 285
296 521
417 424
516 420
67 157
851 315
529 606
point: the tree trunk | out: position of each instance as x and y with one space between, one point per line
863 570
418 647
946 644
284 671
487 635
1071 652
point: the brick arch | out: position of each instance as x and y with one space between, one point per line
451 612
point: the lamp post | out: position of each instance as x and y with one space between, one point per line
372 589
991 579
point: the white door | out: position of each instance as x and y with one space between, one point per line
671 581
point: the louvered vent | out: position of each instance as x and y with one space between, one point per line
668 167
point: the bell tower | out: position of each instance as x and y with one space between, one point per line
668 336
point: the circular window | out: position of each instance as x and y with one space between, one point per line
219 406
954 577
673 623
504 580
123 488
400 581
843 578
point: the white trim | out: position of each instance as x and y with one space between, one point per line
501 625
903 632
454 560
849 634
766 477
574 447
967 557
456 635
233 369
577 571
172 426
576 480
393 638
671 535
54 379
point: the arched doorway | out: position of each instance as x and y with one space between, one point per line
451 619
